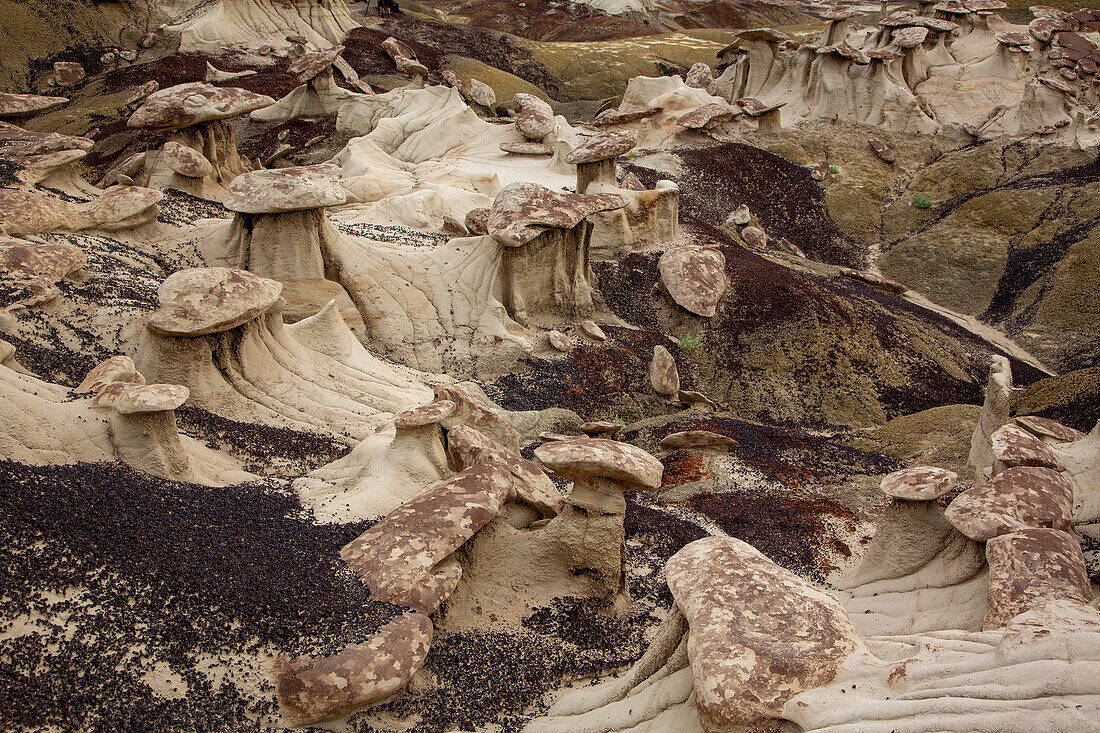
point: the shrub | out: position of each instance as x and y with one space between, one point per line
689 341
922 202
834 169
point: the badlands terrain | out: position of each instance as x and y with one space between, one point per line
617 365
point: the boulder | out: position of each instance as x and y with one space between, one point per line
535 118
398 553
1014 446
468 447
527 148
18 106
185 160
758 634
432 413
696 439
1031 567
664 378
1047 429
694 277
139 398
582 460
315 689
1018 498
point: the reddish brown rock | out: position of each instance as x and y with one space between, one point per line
189 104
559 341
311 690
582 459
535 119
922 483
19 106
310 65
1032 566
185 160
758 635
67 73
755 108
398 553
430 414
602 147
522 211
527 148
694 277
468 447
700 76
706 116
439 585
696 439
1014 446
1015 499
1043 427
600 427
882 150
477 221
615 117
664 378
874 280
206 300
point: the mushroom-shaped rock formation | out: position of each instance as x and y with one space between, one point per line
663 375
467 447
398 553
922 483
206 300
601 470
280 231
696 439
1047 430
220 332
912 534
758 635
706 116
1018 498
1032 566
143 429
36 157
694 277
21 106
35 211
318 95
406 61
195 112
595 158
545 267
314 689
534 117
995 409
1014 446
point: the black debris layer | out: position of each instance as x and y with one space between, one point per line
264 449
97 557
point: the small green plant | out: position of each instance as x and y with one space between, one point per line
618 421
833 169
689 341
922 202
633 154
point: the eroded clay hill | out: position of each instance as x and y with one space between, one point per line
617 366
